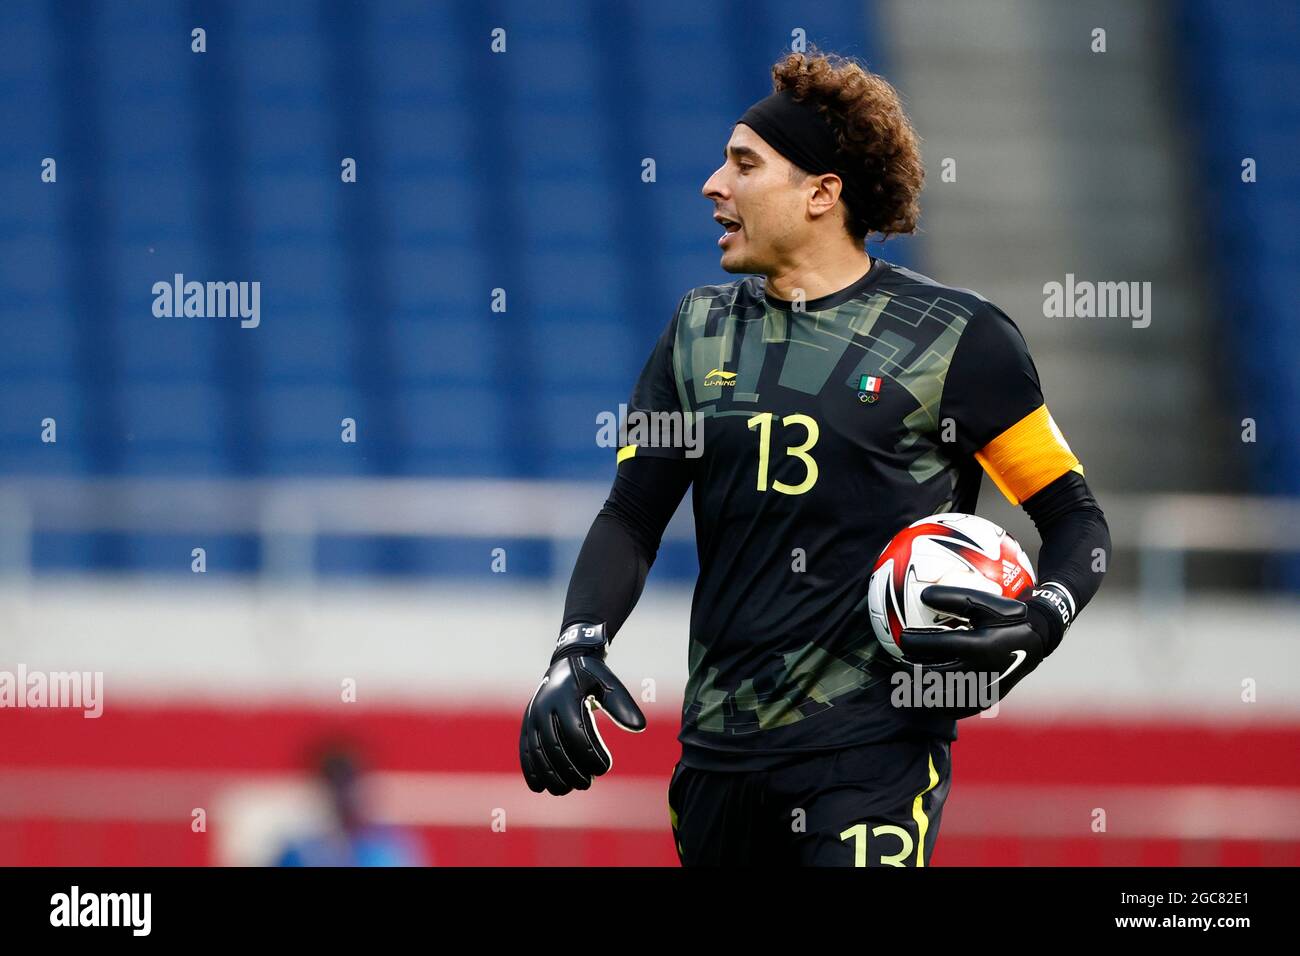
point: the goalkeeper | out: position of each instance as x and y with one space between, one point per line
840 398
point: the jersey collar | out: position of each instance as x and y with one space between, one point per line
878 268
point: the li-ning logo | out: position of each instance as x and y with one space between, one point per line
719 377
869 388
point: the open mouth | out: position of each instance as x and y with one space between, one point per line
730 227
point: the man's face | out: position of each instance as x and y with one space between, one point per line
765 198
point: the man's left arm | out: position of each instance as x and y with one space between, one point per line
1073 557
993 395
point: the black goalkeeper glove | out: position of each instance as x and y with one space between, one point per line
1003 644
560 748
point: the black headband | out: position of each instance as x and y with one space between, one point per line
799 132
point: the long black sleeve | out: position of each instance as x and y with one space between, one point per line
622 543
1073 531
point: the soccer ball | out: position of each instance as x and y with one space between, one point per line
955 549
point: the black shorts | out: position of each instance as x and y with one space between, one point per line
871 805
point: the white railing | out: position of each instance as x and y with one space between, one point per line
291 515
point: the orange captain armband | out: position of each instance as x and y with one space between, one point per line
1028 456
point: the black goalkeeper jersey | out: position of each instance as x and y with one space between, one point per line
826 429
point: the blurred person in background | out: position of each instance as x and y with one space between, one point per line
354 839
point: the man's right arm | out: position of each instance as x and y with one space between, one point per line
560 748
623 541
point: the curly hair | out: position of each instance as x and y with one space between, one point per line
874 135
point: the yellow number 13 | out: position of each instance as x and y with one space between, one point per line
764 423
